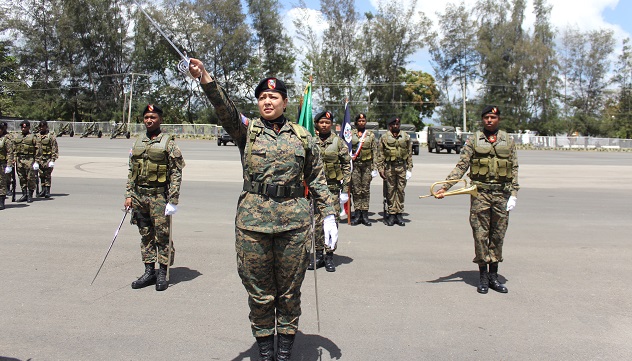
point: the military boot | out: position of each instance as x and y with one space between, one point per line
47 194
493 279
483 285
148 278
42 193
329 262
284 346
24 197
266 348
356 219
389 219
2 198
365 218
320 261
161 278
29 197
399 220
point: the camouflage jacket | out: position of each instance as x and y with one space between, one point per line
174 171
381 149
465 161
6 151
25 140
277 159
50 149
369 146
343 158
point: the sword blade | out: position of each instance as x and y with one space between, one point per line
155 24
111 244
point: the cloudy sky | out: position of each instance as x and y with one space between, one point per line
581 14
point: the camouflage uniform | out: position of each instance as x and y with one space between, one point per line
363 164
6 159
50 153
337 164
151 190
28 150
488 213
394 159
272 224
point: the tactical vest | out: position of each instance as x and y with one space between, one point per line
3 153
365 152
491 162
47 146
150 162
396 149
256 127
331 161
25 145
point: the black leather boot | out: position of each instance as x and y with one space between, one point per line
266 348
2 198
24 197
329 262
284 346
47 194
483 285
493 279
161 278
365 218
356 219
29 197
148 278
389 220
42 193
399 220
320 261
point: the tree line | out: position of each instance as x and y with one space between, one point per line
93 60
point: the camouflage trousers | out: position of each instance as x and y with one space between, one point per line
361 184
4 180
489 219
148 213
26 174
272 268
395 181
319 232
45 173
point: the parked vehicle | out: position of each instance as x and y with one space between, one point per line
410 129
224 138
443 137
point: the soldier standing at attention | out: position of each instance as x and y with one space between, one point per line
153 190
337 164
28 152
395 164
6 161
273 223
50 153
364 157
491 157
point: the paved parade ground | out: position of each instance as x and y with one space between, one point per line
399 293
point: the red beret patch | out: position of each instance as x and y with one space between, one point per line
271 83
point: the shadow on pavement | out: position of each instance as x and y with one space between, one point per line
468 277
182 274
306 348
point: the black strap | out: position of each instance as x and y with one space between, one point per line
274 190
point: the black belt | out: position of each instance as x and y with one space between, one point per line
396 161
274 190
491 186
146 189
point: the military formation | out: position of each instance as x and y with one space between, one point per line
27 157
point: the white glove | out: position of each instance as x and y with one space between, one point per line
51 164
331 231
511 203
344 197
35 166
8 169
374 173
408 174
170 209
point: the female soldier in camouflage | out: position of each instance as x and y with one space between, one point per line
272 225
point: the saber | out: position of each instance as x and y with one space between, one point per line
183 65
111 244
170 246
311 213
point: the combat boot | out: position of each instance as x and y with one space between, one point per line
284 346
493 279
29 198
161 278
148 278
266 348
388 219
24 197
42 193
399 220
47 194
320 261
2 198
483 285
365 218
329 262
356 219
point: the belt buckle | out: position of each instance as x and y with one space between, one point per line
271 190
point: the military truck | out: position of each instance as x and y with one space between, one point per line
410 129
443 137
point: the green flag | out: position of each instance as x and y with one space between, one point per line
305 113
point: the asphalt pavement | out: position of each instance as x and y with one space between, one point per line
399 293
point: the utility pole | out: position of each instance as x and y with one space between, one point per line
131 91
464 110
